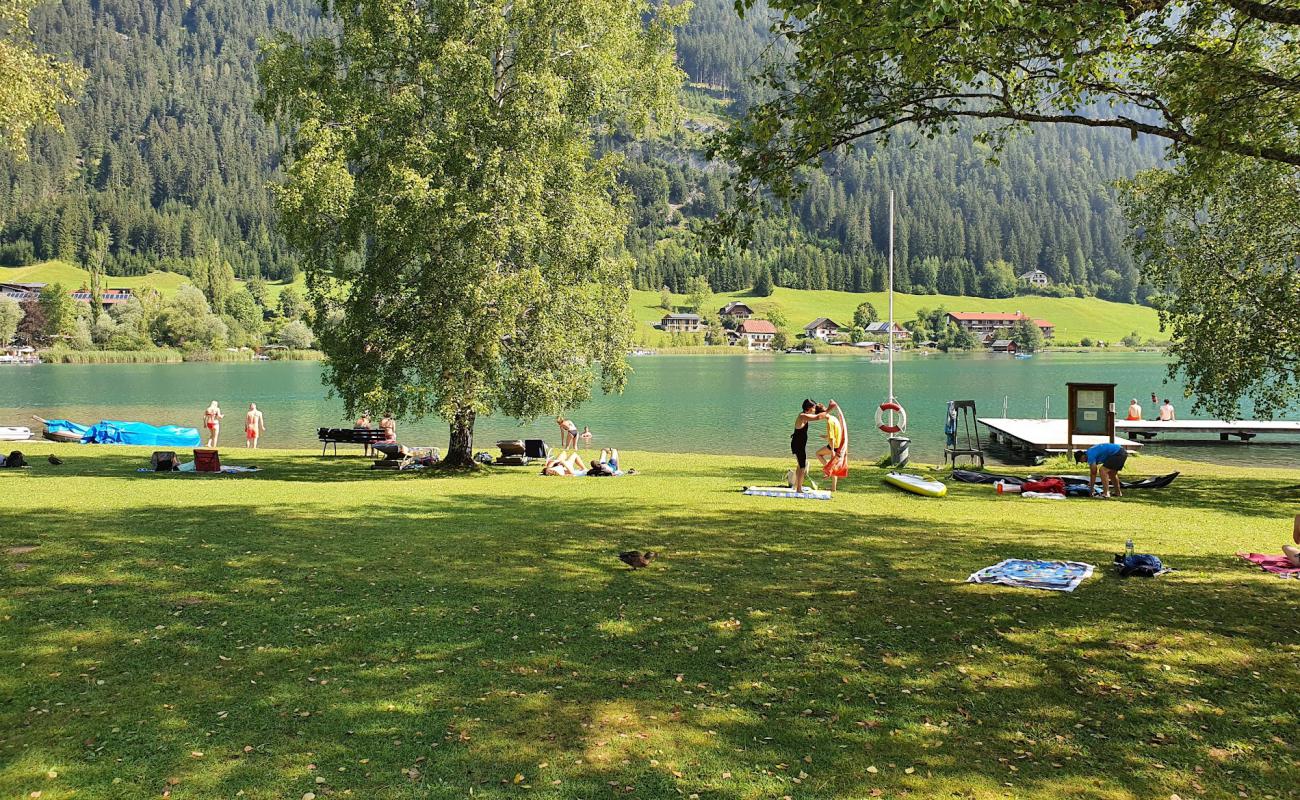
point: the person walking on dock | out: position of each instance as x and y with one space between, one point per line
254 426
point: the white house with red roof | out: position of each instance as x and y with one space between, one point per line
757 334
982 323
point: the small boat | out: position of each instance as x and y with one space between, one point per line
15 434
916 484
1023 356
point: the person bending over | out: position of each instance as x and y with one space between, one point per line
1105 459
799 439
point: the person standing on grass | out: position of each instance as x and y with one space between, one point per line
254 426
1105 459
389 426
1167 412
212 422
799 439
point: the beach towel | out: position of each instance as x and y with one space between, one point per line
838 466
1057 576
785 491
1276 564
1043 495
226 469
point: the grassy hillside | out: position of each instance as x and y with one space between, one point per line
1075 317
75 277
207 637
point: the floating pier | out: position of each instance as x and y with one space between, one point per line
1034 438
1243 429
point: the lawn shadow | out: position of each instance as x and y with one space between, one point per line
472 638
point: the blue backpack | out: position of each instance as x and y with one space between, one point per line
1141 564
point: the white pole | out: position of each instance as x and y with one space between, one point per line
891 295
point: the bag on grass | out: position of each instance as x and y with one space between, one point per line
163 461
1045 486
1142 565
15 459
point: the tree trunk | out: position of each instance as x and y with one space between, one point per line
460 450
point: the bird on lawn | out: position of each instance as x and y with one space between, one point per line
636 559
55 460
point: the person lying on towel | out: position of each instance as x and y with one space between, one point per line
565 463
1105 459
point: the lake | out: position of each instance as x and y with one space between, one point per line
707 404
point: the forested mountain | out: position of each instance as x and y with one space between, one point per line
166 151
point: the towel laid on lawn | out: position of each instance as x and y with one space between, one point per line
785 491
1278 565
1057 576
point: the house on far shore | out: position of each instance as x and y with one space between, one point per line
1034 277
107 298
682 323
822 328
982 323
736 310
757 334
882 329
1004 346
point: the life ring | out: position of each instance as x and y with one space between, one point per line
895 408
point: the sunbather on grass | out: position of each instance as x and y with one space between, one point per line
565 463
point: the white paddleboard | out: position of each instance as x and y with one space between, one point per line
15 434
916 484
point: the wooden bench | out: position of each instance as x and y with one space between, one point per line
366 437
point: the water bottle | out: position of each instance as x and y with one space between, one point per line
1128 548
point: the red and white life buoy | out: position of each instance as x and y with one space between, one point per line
893 426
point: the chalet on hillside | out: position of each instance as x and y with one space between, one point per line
1034 277
882 329
757 334
982 323
822 328
736 310
682 323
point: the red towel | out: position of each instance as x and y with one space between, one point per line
1278 565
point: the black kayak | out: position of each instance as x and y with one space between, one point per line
971 476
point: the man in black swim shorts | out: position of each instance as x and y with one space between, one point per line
799 439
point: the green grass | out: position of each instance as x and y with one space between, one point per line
74 277
323 628
1075 317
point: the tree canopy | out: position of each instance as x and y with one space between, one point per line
33 85
458 228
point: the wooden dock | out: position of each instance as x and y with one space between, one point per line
1034 438
1244 429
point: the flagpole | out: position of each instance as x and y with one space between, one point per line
891 295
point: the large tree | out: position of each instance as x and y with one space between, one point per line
33 85
445 192
1218 80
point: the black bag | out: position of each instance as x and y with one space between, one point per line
164 461
15 459
1140 564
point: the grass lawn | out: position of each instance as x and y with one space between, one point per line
74 277
323 629
1075 317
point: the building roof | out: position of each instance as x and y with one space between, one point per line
1033 273
757 326
683 317
882 327
996 316
734 305
822 322
1004 342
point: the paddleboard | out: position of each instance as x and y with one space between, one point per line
15 434
916 484
786 491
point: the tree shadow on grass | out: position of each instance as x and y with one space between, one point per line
459 641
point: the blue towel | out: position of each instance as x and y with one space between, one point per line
1057 576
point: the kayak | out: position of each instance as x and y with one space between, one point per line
916 484
12 434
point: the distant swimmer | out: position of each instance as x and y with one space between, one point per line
254 426
212 422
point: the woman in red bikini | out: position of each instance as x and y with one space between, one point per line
212 421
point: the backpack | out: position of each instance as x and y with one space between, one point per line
1143 565
163 461
15 459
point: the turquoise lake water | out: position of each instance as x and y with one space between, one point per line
703 404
